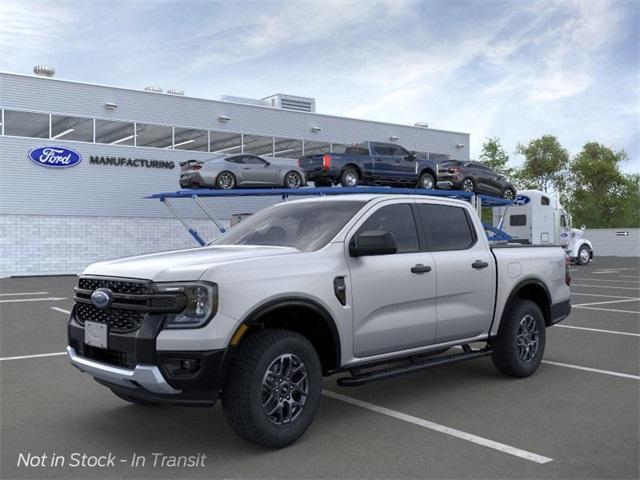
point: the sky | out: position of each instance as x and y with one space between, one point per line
514 70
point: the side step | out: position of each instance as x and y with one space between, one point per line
360 378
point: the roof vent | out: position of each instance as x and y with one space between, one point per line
44 71
292 102
421 124
153 88
175 91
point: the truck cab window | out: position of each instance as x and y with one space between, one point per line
447 228
398 220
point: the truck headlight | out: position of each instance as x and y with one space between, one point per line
201 304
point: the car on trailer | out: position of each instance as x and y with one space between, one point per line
475 177
371 285
242 170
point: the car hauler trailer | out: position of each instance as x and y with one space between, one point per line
536 218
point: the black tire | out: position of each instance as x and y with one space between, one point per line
244 389
348 176
508 356
580 259
293 180
225 180
427 181
508 194
468 185
137 401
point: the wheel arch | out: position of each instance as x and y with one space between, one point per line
430 171
534 290
354 166
301 315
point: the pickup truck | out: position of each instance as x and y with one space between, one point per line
371 163
369 286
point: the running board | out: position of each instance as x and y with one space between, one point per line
360 378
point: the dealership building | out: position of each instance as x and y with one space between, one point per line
127 144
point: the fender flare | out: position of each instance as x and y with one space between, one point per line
517 289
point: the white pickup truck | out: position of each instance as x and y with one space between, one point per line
372 286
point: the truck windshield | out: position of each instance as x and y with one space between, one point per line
307 226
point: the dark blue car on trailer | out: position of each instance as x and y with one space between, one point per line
371 163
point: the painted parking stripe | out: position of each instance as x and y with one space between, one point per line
599 330
485 442
606 280
47 299
605 286
606 302
599 295
61 310
40 355
609 310
22 293
594 370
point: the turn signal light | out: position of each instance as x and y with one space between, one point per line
326 161
453 170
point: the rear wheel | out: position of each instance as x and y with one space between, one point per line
427 181
509 194
518 349
293 179
272 392
584 255
226 180
468 185
137 401
349 177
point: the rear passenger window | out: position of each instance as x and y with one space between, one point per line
447 228
518 220
397 219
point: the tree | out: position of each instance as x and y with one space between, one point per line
601 195
545 164
494 156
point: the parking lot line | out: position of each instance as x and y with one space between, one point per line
598 295
61 310
23 357
594 370
485 442
22 293
605 286
606 280
628 276
606 302
48 299
599 330
608 310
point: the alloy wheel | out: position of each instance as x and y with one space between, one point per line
293 180
351 179
584 255
508 194
527 338
226 181
285 387
467 185
427 182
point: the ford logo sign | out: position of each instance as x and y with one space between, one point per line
102 298
55 157
521 200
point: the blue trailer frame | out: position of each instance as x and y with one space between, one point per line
478 200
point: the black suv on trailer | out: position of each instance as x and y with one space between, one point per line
474 177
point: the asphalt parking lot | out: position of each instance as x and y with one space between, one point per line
577 417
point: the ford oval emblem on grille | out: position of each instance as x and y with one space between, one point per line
55 157
102 298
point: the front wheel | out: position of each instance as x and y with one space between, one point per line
426 181
293 179
273 388
519 346
584 255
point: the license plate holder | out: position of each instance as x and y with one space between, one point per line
96 334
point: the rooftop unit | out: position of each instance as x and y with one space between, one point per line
291 102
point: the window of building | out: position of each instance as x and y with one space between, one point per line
287 148
26 124
315 148
225 142
71 128
518 220
258 145
398 220
114 133
447 228
191 139
437 157
157 136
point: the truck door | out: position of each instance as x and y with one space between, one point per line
394 296
384 161
465 272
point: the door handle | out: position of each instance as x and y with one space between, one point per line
419 268
246 168
478 264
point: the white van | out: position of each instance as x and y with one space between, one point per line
537 218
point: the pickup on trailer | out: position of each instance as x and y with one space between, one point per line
368 286
371 163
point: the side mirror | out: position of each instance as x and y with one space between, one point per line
372 243
412 156
266 164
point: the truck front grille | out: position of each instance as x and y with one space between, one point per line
118 320
111 357
131 287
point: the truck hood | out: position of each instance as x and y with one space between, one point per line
181 265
